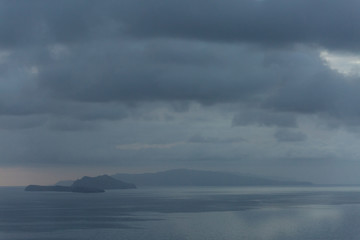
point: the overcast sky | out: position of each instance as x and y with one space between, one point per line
265 87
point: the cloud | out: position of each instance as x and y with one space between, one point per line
201 139
279 23
271 22
21 122
123 53
272 86
347 64
138 72
80 77
285 135
264 118
142 146
66 124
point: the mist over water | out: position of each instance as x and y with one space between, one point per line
183 213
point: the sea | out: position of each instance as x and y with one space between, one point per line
192 213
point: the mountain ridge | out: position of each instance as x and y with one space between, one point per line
189 177
104 181
85 185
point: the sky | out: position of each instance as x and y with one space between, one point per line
263 87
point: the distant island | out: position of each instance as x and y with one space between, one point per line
104 182
65 183
187 177
86 185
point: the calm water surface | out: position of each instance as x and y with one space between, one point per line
253 213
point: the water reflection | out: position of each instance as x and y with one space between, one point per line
183 213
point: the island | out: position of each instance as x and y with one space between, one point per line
182 178
85 185
104 182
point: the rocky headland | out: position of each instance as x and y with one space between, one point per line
85 185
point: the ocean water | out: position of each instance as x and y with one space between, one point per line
254 213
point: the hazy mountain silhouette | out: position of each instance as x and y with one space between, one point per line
85 185
103 182
186 177
65 183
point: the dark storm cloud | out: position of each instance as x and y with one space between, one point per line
71 70
100 66
105 80
329 23
132 71
271 22
41 22
326 94
286 135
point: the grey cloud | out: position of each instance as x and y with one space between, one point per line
329 23
79 78
83 55
308 87
40 111
318 92
326 94
285 135
21 122
65 124
142 146
42 22
309 161
182 106
105 80
89 112
270 22
125 73
264 118
201 139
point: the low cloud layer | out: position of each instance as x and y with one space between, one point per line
284 135
148 84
